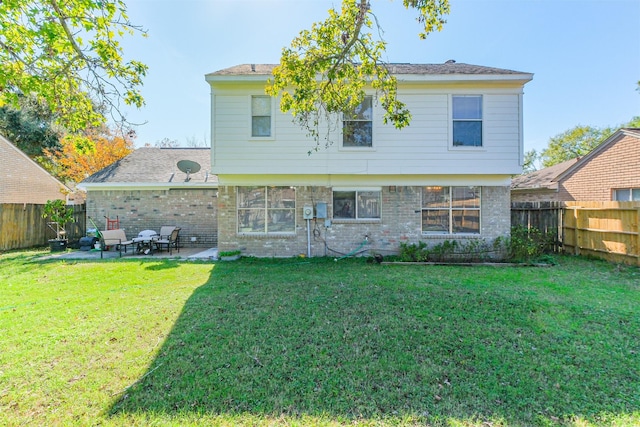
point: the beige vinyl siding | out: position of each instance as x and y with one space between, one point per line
501 119
422 148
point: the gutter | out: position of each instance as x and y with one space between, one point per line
101 186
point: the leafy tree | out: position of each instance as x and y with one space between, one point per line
326 68
578 141
30 126
68 53
575 142
634 123
83 155
531 157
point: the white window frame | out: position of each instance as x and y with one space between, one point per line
272 118
451 209
356 210
266 209
452 145
356 147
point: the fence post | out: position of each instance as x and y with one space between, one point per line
578 233
559 244
637 249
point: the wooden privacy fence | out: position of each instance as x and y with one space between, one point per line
544 216
541 215
22 226
608 230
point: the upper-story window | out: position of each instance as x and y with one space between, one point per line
357 125
260 116
467 120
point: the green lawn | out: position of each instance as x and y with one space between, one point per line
316 342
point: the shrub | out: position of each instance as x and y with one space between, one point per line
529 244
473 250
410 252
59 214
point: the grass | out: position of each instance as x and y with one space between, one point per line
317 342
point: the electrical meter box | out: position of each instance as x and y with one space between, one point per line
307 212
321 210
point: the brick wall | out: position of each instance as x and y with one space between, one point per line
616 166
194 210
534 196
23 181
400 222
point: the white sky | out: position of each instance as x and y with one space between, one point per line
584 54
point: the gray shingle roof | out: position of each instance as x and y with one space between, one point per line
541 179
448 68
151 165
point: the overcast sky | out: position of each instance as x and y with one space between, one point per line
585 55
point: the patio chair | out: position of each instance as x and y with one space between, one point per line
165 231
171 241
115 238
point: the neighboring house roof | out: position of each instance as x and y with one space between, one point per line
23 180
446 70
543 179
155 167
620 133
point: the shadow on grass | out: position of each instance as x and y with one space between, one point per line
161 265
352 341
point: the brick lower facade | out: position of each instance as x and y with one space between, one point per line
193 210
400 222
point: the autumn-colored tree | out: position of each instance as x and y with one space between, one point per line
83 155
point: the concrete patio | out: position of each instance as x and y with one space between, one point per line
185 254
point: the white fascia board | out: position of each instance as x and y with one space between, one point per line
237 78
417 78
101 186
364 181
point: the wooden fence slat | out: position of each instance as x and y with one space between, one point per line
609 230
22 226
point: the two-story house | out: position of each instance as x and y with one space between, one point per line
446 176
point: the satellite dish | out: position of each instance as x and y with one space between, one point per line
188 167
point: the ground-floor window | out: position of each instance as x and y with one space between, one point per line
451 210
266 209
626 194
356 204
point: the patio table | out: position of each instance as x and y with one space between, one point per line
144 241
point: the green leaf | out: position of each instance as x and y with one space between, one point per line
43 52
328 69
